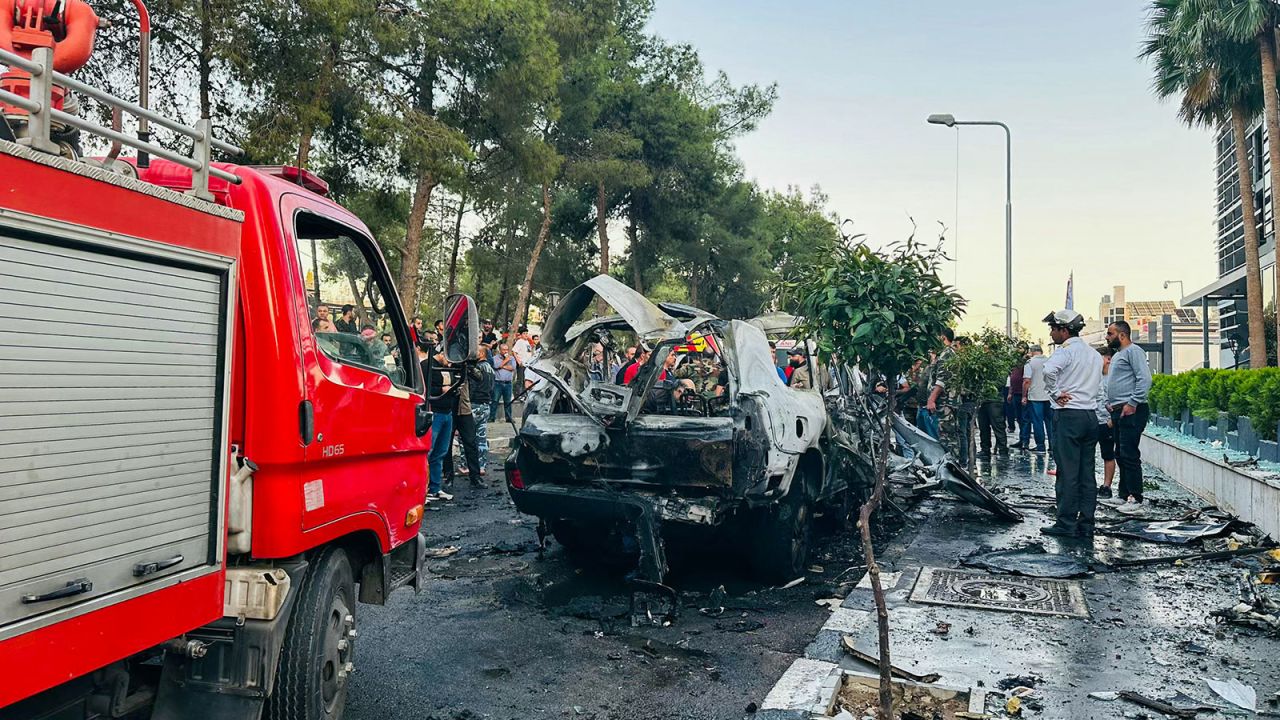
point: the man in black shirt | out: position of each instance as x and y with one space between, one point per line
346 322
442 395
489 337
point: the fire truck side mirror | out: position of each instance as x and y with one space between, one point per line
461 329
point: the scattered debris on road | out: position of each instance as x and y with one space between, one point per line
1174 532
1032 560
847 643
1165 708
442 552
1235 692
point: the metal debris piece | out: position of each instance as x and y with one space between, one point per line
1105 695
1174 532
442 552
1180 559
958 482
1010 593
1159 706
846 642
793 583
1032 560
1235 692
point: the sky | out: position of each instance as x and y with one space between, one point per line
1106 180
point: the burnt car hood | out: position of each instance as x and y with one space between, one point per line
646 319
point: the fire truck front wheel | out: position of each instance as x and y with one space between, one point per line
319 644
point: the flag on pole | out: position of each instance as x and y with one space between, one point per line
1071 295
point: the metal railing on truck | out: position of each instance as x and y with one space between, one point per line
41 115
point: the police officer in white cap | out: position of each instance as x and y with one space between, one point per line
1072 376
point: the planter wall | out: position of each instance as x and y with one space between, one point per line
1250 498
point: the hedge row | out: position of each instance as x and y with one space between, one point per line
1254 394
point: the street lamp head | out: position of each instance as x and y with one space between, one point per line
943 119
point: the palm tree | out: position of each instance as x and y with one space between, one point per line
1256 21
1218 80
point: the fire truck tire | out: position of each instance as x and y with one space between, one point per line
319 644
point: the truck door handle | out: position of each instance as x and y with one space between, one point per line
151 568
307 422
73 588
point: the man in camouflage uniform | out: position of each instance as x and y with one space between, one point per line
958 419
938 378
702 375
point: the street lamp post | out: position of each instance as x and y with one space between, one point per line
1017 316
950 121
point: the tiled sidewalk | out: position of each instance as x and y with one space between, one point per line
1134 638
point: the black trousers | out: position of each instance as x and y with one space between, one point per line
465 427
1128 430
991 421
1075 444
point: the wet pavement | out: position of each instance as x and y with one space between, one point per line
502 632
1148 630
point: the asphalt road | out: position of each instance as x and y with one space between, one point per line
502 631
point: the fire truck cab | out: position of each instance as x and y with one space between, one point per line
205 465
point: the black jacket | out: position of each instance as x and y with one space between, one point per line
441 398
480 382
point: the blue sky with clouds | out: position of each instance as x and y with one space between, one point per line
1106 181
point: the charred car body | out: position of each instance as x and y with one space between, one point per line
706 435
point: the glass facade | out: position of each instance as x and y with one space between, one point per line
1230 231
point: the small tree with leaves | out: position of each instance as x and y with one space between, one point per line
882 310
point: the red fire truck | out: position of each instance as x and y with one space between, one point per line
203 468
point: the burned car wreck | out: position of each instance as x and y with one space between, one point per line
706 436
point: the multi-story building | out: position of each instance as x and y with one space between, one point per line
1145 316
1227 293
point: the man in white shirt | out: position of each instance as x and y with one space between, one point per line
1072 377
524 353
1035 402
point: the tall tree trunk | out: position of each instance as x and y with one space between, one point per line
501 309
304 148
1252 271
457 241
1267 52
602 229
522 302
873 568
408 283
206 56
633 238
358 298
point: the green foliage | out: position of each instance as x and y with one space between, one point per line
883 309
1253 393
979 370
489 99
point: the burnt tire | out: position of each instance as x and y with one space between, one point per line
837 514
783 539
312 677
591 545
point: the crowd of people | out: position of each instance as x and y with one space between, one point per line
465 397
1076 404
